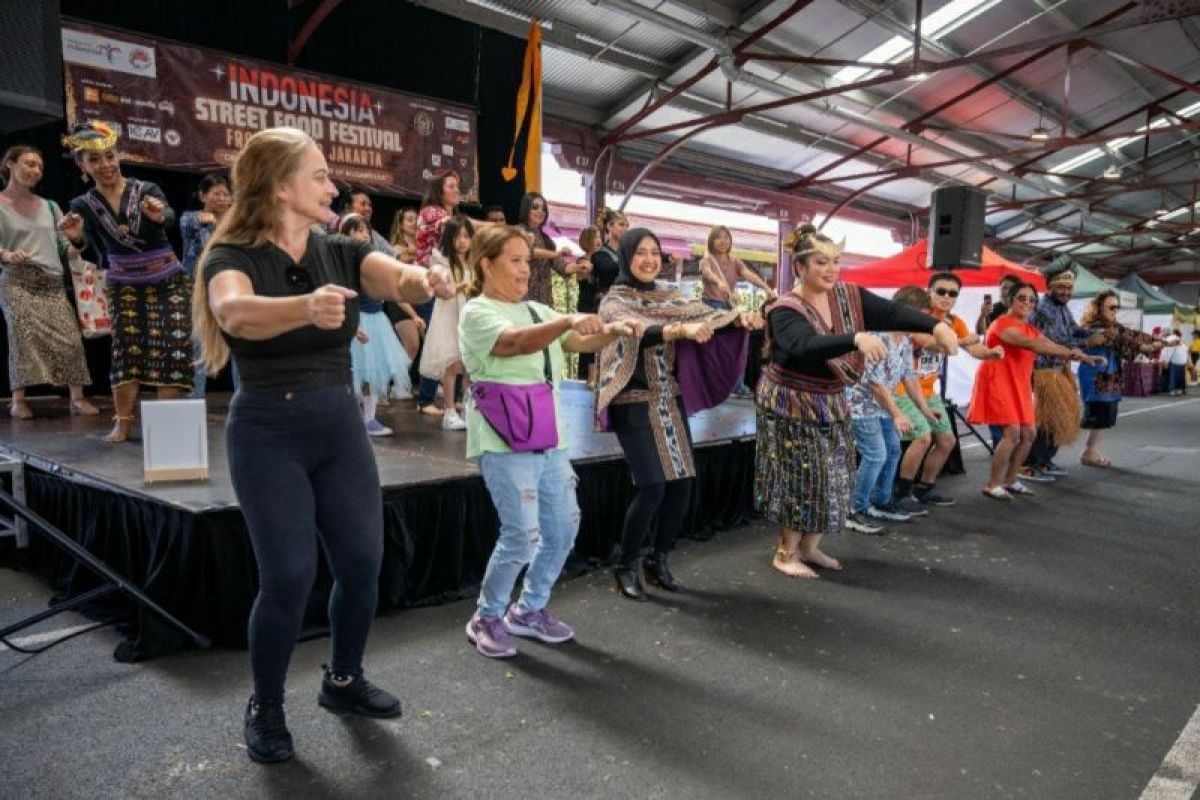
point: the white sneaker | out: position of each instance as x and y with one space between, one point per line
451 421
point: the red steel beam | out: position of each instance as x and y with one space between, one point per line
310 27
617 133
958 98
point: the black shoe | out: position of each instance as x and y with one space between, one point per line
629 583
910 506
929 497
267 738
359 696
658 572
859 522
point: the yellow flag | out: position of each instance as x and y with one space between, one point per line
529 106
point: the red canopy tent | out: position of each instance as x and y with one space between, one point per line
908 267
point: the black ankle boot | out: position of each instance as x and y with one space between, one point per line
359 696
267 738
658 572
629 583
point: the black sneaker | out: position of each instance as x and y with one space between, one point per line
891 512
359 696
910 506
859 522
1035 475
267 738
930 497
1054 470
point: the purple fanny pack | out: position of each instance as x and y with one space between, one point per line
523 414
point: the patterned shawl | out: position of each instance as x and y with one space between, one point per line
664 305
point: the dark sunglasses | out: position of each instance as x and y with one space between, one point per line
1111 308
299 280
946 292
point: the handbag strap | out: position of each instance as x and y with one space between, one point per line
546 350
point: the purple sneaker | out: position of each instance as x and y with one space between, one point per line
490 638
377 428
540 625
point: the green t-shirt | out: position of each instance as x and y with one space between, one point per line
482 322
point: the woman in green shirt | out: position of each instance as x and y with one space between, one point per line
505 340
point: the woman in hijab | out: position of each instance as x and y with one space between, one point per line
646 390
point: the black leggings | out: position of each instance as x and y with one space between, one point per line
304 472
666 501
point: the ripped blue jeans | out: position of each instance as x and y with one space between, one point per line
534 495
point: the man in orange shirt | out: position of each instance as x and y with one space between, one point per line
930 420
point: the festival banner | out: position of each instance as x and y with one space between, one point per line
190 108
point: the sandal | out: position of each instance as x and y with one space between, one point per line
1016 487
998 493
1096 461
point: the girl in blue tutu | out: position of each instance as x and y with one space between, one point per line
376 358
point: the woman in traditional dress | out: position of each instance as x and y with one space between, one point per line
818 345
1003 390
1100 385
124 220
44 346
640 393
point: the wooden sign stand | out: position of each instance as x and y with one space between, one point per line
174 440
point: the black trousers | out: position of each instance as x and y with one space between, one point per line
305 474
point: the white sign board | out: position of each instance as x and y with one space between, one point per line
174 440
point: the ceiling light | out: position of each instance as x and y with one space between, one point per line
917 77
1039 134
1113 173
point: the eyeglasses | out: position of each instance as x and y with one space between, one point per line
1111 308
299 280
1024 298
946 292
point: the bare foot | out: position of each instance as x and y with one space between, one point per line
84 408
821 560
119 432
791 567
19 409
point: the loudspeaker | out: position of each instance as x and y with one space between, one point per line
956 228
31 78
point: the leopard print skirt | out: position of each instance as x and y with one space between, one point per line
44 344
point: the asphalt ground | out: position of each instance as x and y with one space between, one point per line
1046 648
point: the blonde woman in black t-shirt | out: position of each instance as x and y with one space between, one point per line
274 295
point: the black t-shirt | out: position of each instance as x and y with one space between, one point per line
307 356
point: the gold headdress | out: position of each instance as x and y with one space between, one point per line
93 136
805 240
606 215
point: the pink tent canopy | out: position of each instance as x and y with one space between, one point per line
908 267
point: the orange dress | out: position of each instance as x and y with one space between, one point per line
1003 391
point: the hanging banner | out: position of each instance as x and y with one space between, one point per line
189 108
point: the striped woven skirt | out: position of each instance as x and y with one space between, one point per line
804 462
44 344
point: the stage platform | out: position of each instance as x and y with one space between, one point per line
185 543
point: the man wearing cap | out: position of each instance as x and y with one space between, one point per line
1055 393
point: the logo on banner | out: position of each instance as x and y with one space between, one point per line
105 52
172 137
456 124
144 133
